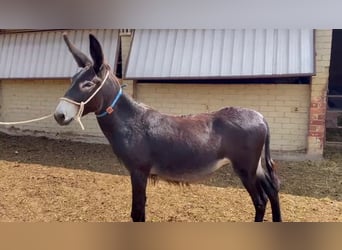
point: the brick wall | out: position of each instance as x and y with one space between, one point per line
317 112
284 105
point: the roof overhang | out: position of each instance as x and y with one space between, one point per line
223 53
43 54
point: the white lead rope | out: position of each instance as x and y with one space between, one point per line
27 121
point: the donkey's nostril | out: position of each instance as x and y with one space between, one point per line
62 119
59 117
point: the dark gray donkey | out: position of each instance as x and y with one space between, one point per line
175 148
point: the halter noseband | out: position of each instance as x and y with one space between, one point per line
109 110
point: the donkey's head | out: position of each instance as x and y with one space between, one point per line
86 93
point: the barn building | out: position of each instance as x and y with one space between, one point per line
283 73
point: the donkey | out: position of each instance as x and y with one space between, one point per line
178 149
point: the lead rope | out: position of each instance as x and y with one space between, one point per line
78 115
27 121
82 104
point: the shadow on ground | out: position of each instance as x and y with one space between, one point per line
317 179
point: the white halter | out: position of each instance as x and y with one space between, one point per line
81 104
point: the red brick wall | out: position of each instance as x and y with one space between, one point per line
317 112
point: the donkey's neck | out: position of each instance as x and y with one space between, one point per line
126 114
123 126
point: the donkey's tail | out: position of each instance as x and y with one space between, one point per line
270 165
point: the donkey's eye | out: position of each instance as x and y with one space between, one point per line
87 84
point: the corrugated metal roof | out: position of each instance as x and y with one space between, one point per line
220 53
45 55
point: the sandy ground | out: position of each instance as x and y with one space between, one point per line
53 180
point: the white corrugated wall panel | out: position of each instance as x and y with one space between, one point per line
215 65
220 53
45 55
259 52
306 51
197 52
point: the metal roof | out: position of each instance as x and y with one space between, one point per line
43 54
222 53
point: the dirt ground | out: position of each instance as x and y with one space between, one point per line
54 180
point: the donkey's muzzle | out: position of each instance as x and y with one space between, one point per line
65 112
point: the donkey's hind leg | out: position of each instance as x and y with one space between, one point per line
247 173
272 192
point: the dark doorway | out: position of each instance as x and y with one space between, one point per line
118 72
335 72
334 108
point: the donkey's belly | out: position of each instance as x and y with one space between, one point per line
188 173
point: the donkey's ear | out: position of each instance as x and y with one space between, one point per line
96 52
81 59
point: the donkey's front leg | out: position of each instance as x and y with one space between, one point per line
139 182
